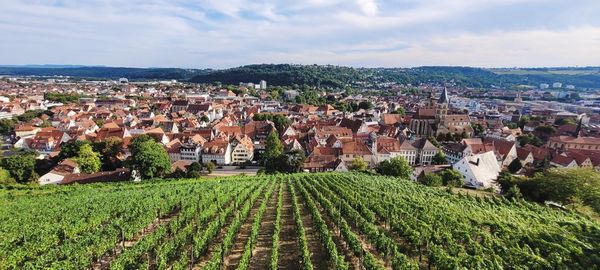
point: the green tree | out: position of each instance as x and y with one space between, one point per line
20 166
400 111
291 161
513 192
88 160
439 158
434 141
110 151
273 149
478 129
71 148
365 105
7 126
204 118
210 167
452 178
395 167
529 139
358 165
432 180
194 170
149 158
5 177
515 166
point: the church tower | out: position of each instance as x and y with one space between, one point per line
441 108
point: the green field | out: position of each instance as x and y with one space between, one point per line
301 221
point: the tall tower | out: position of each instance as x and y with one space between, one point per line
441 109
519 99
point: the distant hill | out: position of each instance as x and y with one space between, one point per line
339 77
328 76
102 72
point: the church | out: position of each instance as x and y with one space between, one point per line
433 119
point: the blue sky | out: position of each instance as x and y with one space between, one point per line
361 33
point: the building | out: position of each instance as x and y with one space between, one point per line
479 171
242 149
263 84
190 151
217 151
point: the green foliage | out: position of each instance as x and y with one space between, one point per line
29 115
365 105
71 148
7 126
20 166
515 166
439 158
62 97
548 130
210 167
205 119
111 150
478 129
358 165
452 178
194 170
397 166
149 157
529 138
565 121
273 150
5 177
432 180
280 121
400 111
88 160
379 219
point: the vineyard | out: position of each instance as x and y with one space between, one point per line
298 221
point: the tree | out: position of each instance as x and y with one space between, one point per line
5 177
365 105
20 166
71 148
395 167
358 165
273 149
400 111
568 186
565 121
210 167
529 139
432 180
88 160
149 157
7 126
204 119
506 180
439 158
452 178
110 151
513 192
291 161
194 170
478 129
515 166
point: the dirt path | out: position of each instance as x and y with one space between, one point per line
353 261
261 255
315 245
289 251
235 253
105 261
216 242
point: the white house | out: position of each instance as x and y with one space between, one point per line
58 173
480 170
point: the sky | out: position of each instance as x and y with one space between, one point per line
359 33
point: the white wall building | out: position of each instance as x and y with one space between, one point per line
479 171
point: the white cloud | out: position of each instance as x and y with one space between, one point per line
217 33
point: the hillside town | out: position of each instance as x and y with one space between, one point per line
432 127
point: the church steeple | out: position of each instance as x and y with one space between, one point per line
444 96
